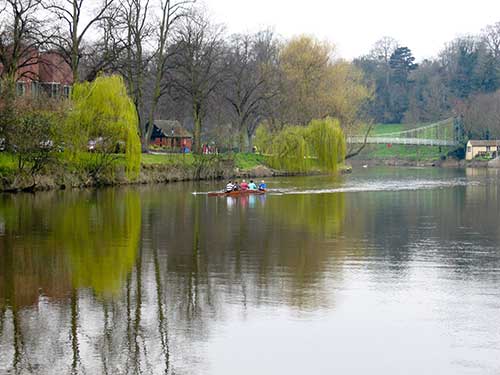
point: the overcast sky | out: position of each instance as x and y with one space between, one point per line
354 25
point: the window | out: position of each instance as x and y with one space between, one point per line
52 89
469 149
66 91
20 88
55 90
34 89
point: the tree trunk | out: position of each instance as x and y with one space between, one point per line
244 143
75 44
352 154
197 128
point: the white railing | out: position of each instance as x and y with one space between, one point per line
402 141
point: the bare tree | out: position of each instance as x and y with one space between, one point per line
481 113
199 67
70 38
491 38
252 61
134 16
171 11
21 32
106 53
383 49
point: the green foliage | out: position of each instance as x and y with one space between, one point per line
328 143
102 112
34 140
248 160
8 163
298 149
289 150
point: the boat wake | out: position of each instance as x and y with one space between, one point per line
395 185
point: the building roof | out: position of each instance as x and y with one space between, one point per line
480 143
171 129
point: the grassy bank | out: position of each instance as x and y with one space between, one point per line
242 161
405 152
90 169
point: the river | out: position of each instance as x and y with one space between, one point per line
384 271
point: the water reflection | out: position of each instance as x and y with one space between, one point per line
141 280
75 241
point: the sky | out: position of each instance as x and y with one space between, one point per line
354 25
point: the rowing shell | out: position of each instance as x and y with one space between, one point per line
237 193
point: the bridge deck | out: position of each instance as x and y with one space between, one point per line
402 141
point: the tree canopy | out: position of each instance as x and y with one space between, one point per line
319 145
316 85
104 114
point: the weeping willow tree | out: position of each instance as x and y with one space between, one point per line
289 150
321 144
327 143
105 117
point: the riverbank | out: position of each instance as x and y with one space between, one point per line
155 169
442 163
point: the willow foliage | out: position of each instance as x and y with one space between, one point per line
289 150
299 149
327 143
103 112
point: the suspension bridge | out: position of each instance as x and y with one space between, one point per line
447 132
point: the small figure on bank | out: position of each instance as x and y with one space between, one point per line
244 185
262 186
252 186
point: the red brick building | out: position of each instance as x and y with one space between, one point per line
172 135
43 73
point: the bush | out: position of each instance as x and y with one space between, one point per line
34 140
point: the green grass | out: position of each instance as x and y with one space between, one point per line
248 160
170 159
8 163
241 160
386 128
404 152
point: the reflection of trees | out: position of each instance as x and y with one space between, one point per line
101 237
246 248
141 309
53 245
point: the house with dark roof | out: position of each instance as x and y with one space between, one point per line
171 135
482 148
44 73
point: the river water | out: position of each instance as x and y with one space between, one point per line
384 271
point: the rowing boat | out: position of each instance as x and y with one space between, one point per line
237 193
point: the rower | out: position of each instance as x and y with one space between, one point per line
244 185
252 186
262 186
236 186
229 187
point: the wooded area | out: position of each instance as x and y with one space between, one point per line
179 65
463 80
